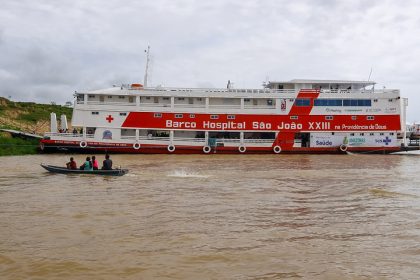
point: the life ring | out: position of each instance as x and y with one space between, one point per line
206 149
171 148
136 146
343 147
242 149
277 149
83 144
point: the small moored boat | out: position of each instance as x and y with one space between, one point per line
64 170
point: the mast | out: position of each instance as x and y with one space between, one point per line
147 65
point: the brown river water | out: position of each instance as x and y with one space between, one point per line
213 217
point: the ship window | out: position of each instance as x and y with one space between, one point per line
91 96
364 102
270 102
357 102
231 117
95 113
294 117
381 134
351 134
131 99
390 100
370 118
165 98
157 115
180 98
302 102
147 97
121 97
199 99
247 100
328 102
371 134
375 100
192 116
214 117
392 133
123 114
362 134
109 96
332 133
178 116
354 118
328 118
291 100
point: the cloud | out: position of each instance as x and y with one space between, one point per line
49 48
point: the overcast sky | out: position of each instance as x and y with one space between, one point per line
50 48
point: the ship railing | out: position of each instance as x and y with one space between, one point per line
224 106
259 140
68 135
186 139
259 107
184 105
155 138
109 103
155 105
196 140
358 91
223 90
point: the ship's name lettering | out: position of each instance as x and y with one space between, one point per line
175 124
224 125
261 125
291 125
319 125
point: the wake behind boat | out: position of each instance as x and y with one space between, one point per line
64 170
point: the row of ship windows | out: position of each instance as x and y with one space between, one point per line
303 102
363 134
232 117
192 116
300 102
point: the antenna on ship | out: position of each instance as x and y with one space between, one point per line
371 68
147 65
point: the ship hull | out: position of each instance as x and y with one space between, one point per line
50 146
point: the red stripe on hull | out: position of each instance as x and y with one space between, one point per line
162 149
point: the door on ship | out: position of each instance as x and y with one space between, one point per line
302 140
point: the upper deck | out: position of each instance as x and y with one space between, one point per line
264 100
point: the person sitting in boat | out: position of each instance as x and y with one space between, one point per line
71 164
87 165
95 163
107 163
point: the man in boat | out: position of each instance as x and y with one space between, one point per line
71 164
107 163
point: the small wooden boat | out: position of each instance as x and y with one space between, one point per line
64 170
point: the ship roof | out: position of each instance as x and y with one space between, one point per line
310 81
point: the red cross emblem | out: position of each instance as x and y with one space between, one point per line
109 118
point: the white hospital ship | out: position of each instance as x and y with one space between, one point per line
297 116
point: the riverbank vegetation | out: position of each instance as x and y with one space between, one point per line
17 146
27 117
